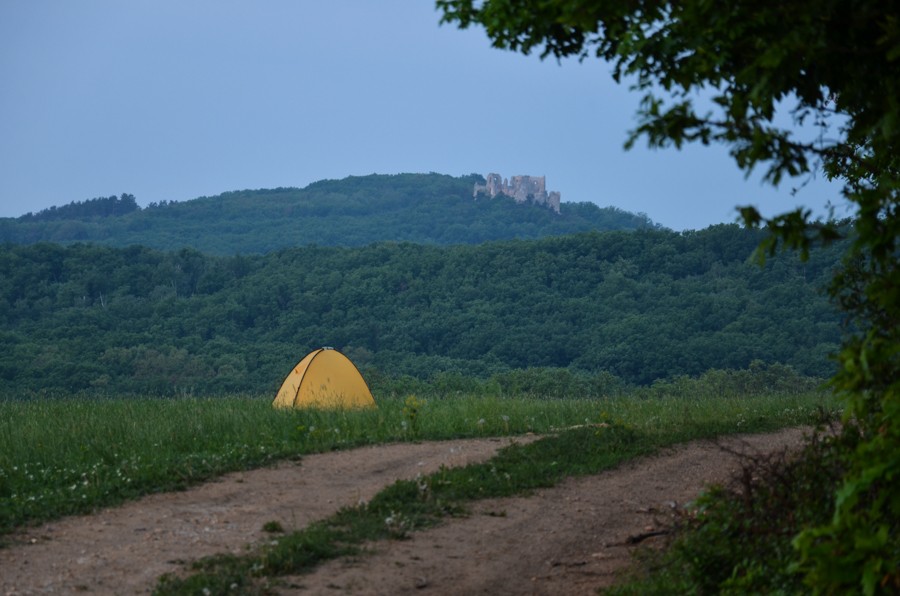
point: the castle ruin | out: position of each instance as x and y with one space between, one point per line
521 189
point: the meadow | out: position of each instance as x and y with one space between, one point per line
73 455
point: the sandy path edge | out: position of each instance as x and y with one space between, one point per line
123 550
564 540
570 539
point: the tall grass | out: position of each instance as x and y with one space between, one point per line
66 456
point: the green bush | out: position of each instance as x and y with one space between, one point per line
738 538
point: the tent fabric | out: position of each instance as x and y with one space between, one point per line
325 378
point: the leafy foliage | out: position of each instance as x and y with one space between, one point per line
85 210
721 73
634 306
355 211
736 538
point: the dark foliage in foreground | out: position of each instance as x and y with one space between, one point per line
738 538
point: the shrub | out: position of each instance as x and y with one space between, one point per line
737 538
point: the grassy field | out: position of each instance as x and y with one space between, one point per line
65 456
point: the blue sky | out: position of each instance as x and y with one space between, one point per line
175 99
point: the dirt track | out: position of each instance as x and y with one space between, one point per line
565 540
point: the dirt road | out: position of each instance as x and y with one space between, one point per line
566 540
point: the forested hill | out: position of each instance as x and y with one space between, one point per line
355 211
640 305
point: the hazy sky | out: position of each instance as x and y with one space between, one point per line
175 99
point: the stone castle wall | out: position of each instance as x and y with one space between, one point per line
521 189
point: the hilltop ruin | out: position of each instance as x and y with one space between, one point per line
520 188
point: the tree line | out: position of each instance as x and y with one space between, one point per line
355 211
100 207
639 306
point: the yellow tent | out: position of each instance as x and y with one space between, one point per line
325 378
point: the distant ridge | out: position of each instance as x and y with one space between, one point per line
355 211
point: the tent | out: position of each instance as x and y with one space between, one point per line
325 378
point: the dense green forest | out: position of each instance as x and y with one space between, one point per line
641 305
355 211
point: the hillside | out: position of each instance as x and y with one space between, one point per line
355 211
639 305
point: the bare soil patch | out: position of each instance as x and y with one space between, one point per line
571 539
123 550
